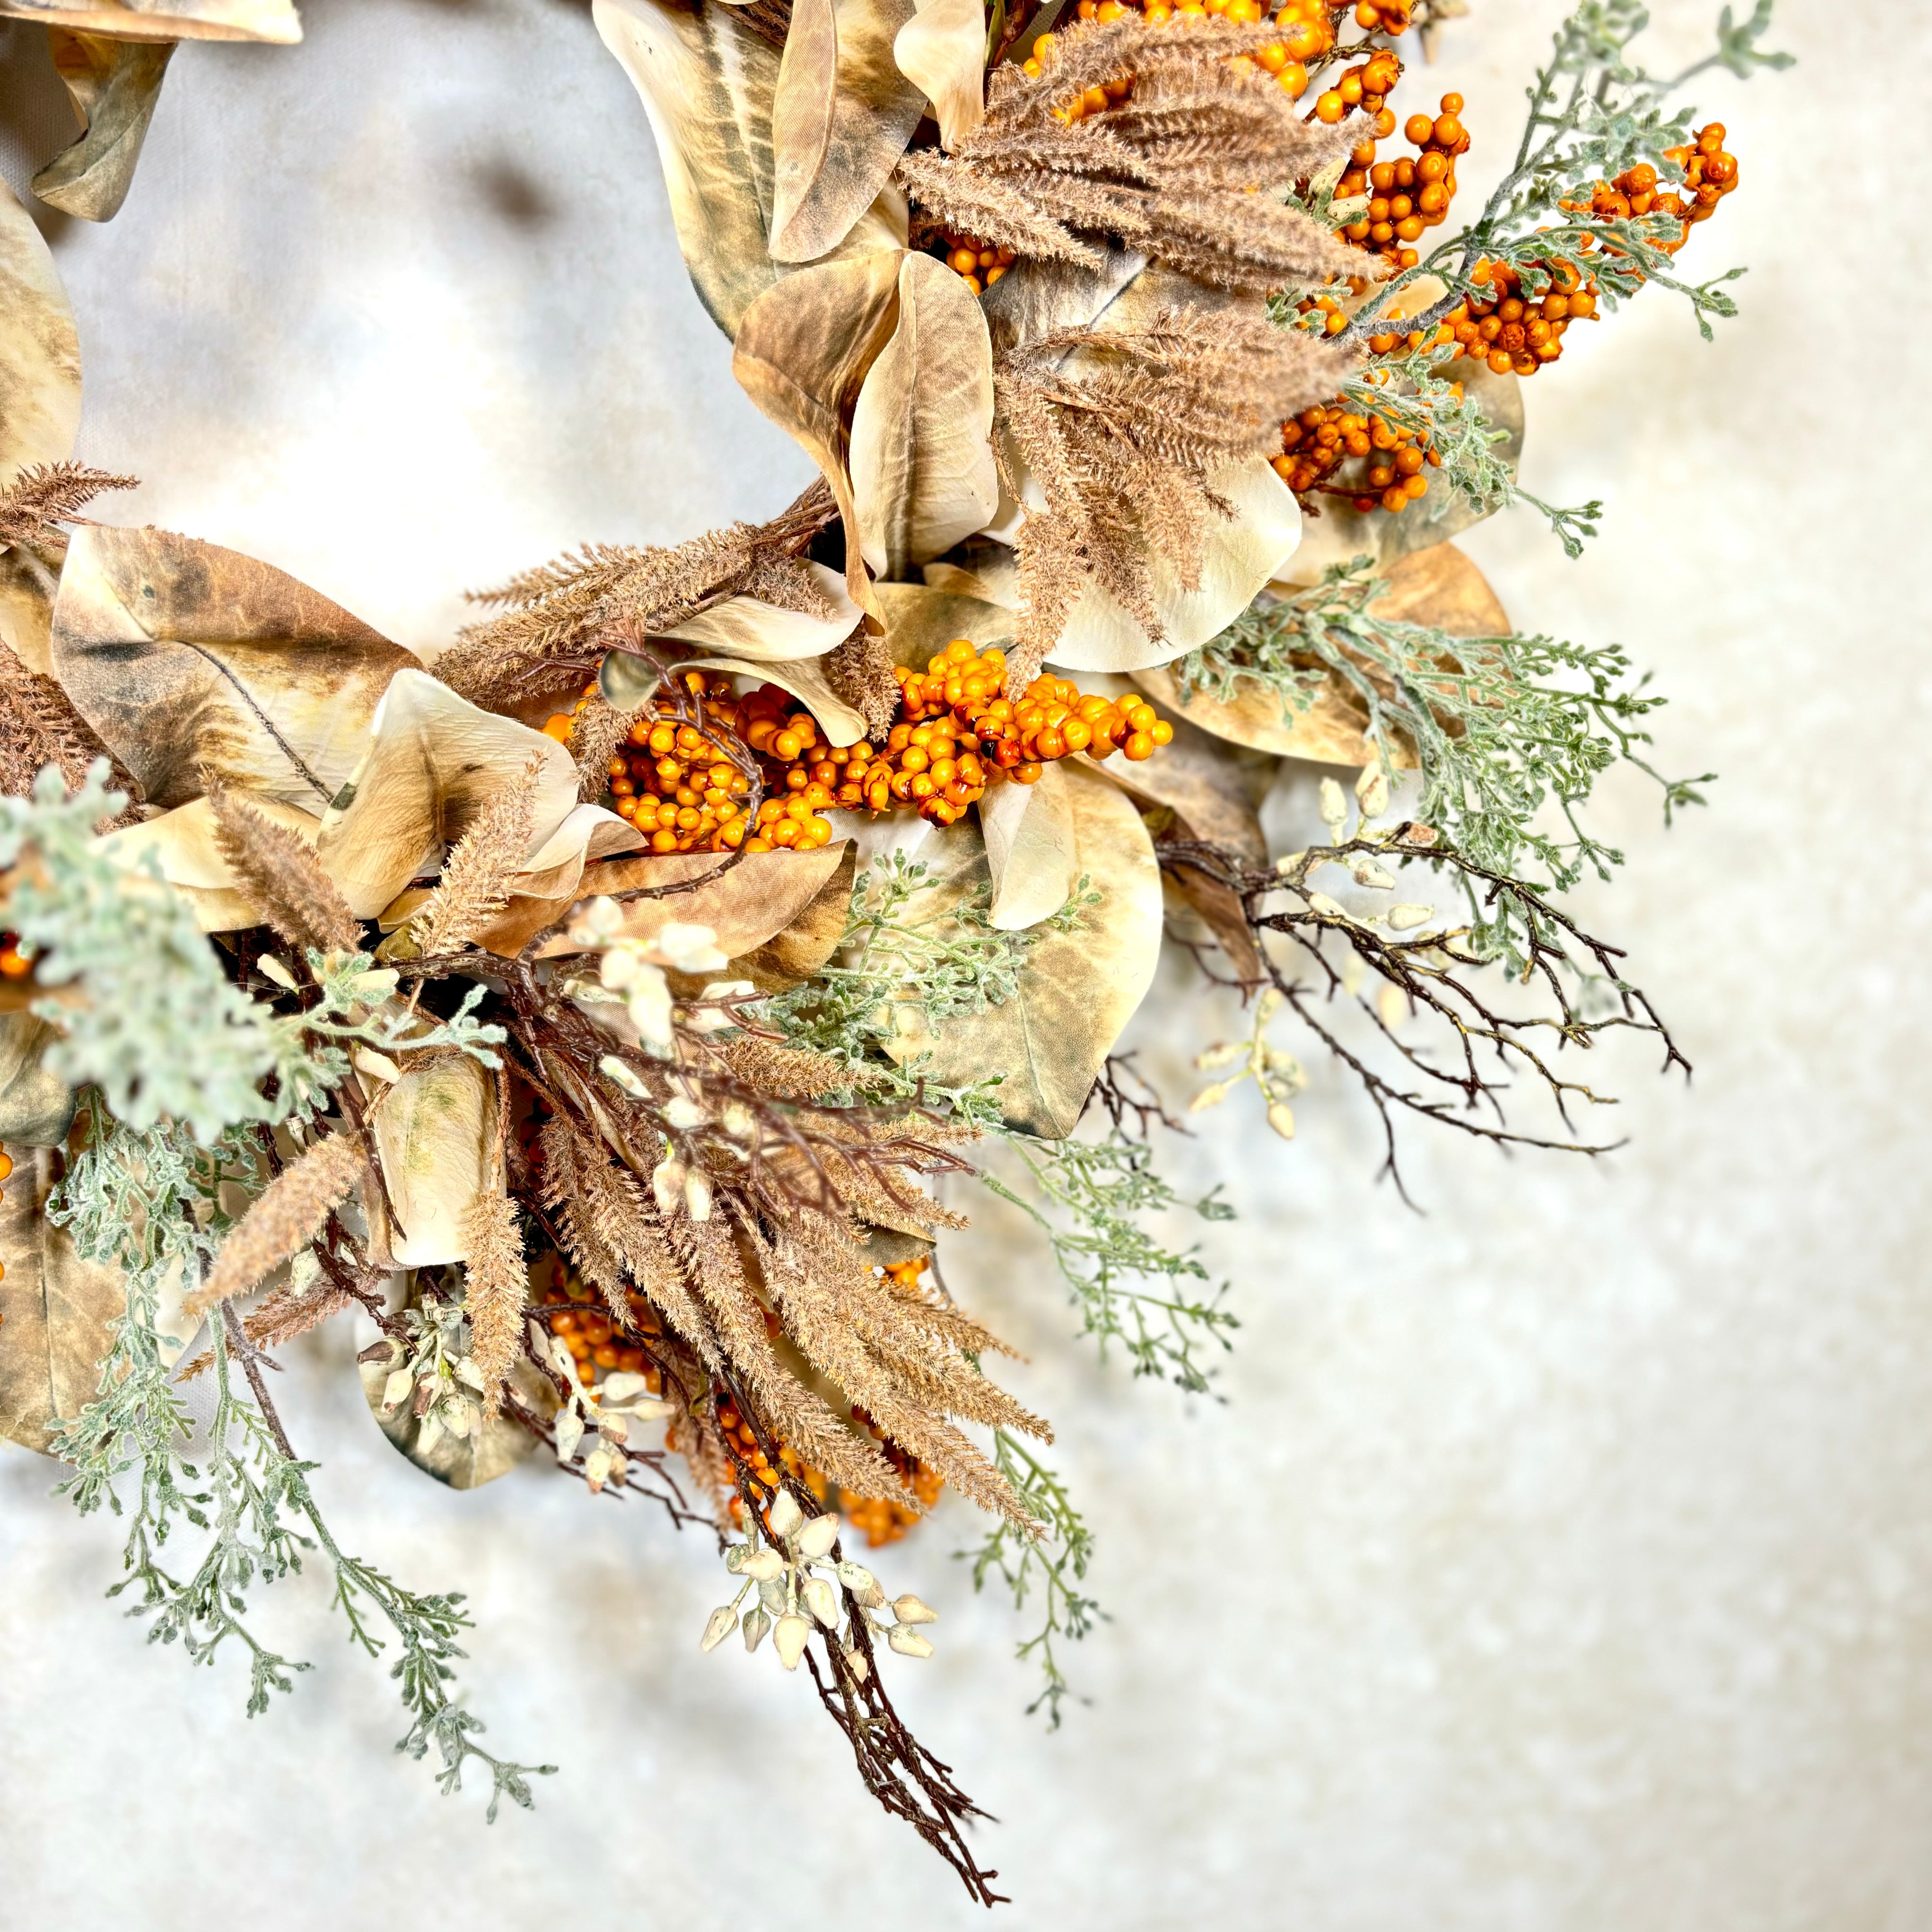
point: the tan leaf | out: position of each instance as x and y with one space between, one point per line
1036 298
188 658
757 898
185 843
748 627
1341 533
54 1308
40 353
626 681
801 949
435 1132
1438 586
922 619
942 49
433 761
36 1107
28 583
272 20
114 85
802 353
1030 855
922 454
1078 989
873 110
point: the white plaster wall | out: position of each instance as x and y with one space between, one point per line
1561 1559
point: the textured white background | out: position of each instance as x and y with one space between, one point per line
1560 1560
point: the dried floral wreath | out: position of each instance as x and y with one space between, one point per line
597 1010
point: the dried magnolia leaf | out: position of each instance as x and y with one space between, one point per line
626 681
921 456
873 109
1438 586
54 1308
942 50
748 627
184 843
1078 989
493 1447
114 85
745 906
1036 298
433 760
27 584
802 354
189 659
272 20
1341 533
921 620
1028 830
435 1132
706 80
40 352
36 1107
801 949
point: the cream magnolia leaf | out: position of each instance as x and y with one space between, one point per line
803 102
187 658
1239 555
747 627
1342 532
874 110
1078 989
40 351
28 584
36 1107
1029 835
922 619
1034 298
706 80
274 21
921 450
802 354
435 1133
745 905
493 1447
942 49
55 1309
182 844
114 85
432 760
1439 587
799 951
626 681
986 572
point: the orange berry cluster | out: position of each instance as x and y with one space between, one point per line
1709 174
1513 332
1316 443
882 1519
14 964
978 264
595 1340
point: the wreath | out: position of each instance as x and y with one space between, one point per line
613 1013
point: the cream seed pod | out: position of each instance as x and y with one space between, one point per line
1334 810
1406 918
1371 790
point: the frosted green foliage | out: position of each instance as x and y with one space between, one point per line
1051 1562
150 1202
1511 739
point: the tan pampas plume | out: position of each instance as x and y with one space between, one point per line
475 887
1123 431
559 610
860 670
40 727
1189 170
596 731
39 500
283 1219
495 1288
281 875
280 1317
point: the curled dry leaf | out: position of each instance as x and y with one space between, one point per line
626 681
433 761
54 1308
185 844
40 352
435 1132
1078 989
36 1107
1439 587
1030 857
922 619
1341 533
842 116
748 627
114 85
921 454
187 658
1036 298
942 50
757 898
801 949
802 355
272 20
